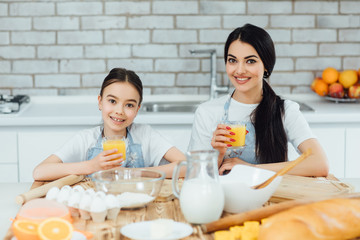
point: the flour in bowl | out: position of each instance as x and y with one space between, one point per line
131 199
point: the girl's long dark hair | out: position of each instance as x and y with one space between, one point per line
267 117
123 75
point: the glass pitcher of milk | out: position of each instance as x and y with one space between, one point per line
201 197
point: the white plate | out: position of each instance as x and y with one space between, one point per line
142 231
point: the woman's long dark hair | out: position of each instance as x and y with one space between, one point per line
267 117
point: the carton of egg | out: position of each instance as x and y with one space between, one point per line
98 206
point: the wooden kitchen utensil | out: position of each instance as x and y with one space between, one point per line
284 170
264 212
42 190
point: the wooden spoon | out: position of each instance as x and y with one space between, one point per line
284 170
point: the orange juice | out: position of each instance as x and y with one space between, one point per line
119 144
239 137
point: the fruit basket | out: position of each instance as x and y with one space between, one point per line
339 87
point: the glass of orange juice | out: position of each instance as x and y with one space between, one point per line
239 128
117 142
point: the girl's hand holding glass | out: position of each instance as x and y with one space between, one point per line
106 160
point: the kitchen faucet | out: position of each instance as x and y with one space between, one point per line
214 88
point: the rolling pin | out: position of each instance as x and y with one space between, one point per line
260 213
42 190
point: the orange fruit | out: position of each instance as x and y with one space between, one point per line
320 87
330 75
348 78
25 230
55 228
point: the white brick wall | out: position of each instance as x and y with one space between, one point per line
5 66
33 37
103 22
59 52
57 80
3 9
66 47
32 9
4 38
56 23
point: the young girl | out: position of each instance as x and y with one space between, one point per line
119 101
270 121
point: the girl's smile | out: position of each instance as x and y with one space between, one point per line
119 106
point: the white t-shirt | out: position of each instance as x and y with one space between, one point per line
209 114
153 144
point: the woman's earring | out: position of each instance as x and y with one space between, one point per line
266 74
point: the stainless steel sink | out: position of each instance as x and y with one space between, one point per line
169 106
190 107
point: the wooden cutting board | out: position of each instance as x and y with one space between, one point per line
296 187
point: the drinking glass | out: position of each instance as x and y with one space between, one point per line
117 142
239 128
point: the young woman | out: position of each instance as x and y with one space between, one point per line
119 101
271 122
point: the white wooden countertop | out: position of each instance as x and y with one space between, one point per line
83 110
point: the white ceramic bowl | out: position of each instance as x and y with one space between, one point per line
239 196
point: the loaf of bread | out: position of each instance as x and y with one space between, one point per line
332 219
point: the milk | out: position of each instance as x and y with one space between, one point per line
201 201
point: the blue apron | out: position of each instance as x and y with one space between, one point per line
248 153
134 156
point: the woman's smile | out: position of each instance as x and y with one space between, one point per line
242 79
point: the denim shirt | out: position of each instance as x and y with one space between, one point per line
134 156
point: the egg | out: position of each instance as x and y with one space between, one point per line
98 209
85 201
90 191
100 194
78 188
84 205
64 195
52 193
112 201
74 199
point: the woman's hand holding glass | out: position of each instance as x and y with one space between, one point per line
220 137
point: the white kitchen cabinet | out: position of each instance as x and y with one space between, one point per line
8 147
35 147
9 172
333 141
352 164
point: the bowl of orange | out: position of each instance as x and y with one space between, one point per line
338 86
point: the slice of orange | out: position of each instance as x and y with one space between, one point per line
25 230
55 228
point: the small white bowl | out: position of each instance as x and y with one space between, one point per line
239 196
